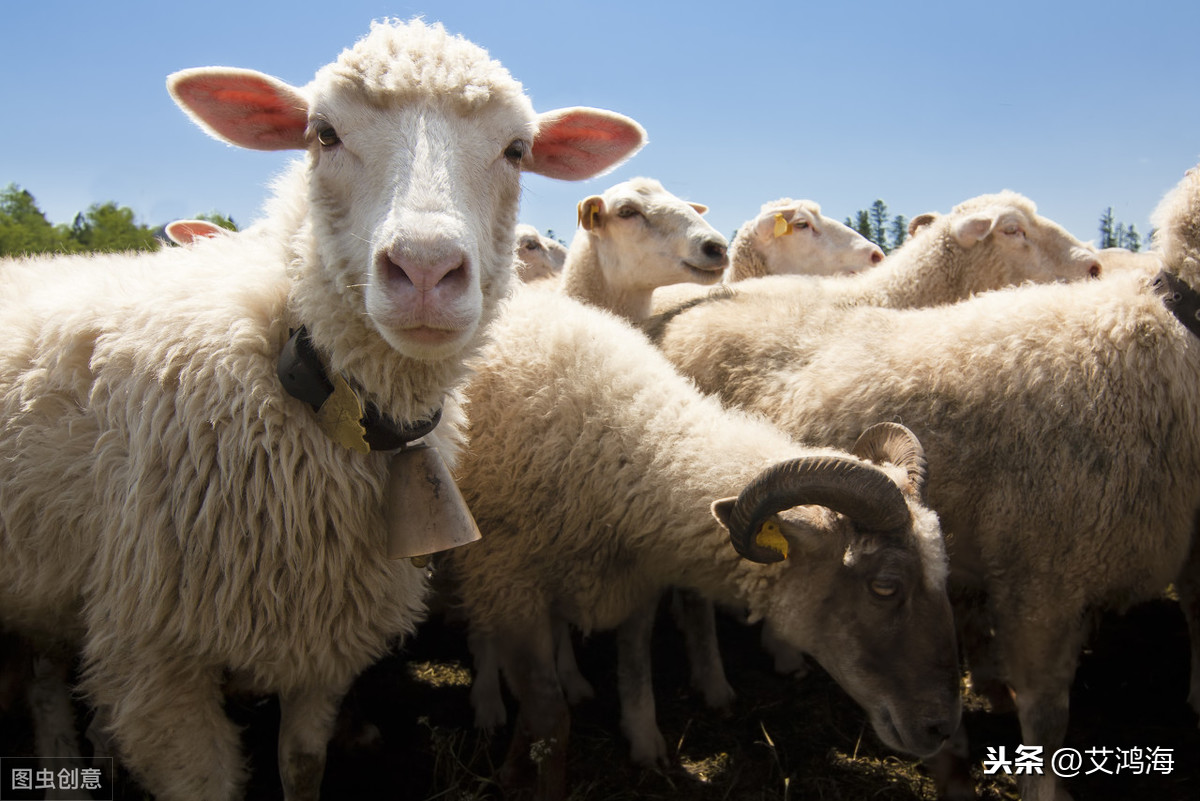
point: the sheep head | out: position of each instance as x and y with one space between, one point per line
793 237
1006 242
862 584
645 237
415 145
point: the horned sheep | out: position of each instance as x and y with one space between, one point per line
789 237
1062 428
164 501
613 505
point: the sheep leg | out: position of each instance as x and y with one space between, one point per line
788 660
1188 587
635 686
306 721
56 735
542 729
486 696
1040 656
696 618
576 687
170 728
950 768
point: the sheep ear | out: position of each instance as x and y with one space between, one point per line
699 207
590 212
968 231
242 107
722 509
921 221
577 143
184 232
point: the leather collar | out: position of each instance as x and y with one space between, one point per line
303 376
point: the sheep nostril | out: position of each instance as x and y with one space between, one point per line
714 250
1094 270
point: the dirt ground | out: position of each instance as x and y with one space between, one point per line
785 739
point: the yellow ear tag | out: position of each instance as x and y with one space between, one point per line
340 416
769 536
782 226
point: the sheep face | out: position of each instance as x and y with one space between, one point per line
415 141
795 238
862 581
645 237
1005 231
883 630
538 257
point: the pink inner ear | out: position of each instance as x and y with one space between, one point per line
245 108
580 143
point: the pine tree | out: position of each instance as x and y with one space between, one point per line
899 232
1108 237
879 224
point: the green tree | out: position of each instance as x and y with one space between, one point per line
899 231
217 218
24 229
879 224
1108 230
109 228
861 222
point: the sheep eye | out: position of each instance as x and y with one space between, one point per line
627 212
515 152
1013 230
326 135
884 588
800 225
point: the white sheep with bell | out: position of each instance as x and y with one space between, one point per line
165 502
595 471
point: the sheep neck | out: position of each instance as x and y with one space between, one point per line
585 280
304 376
912 277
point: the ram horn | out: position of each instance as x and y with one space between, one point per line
893 443
863 493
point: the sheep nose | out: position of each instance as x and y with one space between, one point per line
876 256
423 270
1094 269
714 250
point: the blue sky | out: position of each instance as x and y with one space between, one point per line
1078 105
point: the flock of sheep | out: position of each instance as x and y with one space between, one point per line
972 445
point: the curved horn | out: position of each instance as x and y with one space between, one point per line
892 442
863 493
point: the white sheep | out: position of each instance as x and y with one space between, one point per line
539 257
164 501
1124 259
793 237
1062 428
613 505
985 243
635 237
